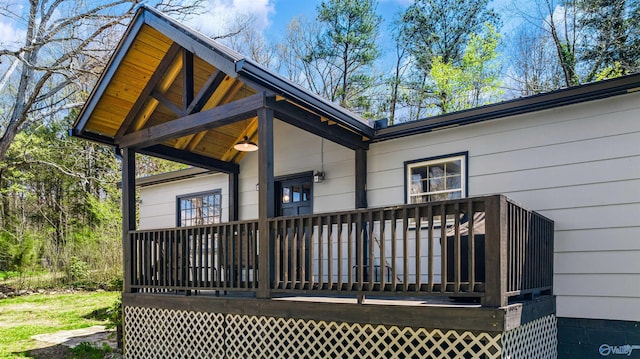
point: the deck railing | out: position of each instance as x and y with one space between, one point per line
529 251
485 247
218 257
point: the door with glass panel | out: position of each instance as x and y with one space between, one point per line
295 197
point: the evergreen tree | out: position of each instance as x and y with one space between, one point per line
348 43
611 38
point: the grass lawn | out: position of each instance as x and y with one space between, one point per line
22 317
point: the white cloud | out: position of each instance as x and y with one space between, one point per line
220 15
10 36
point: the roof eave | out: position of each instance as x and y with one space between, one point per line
90 136
111 68
544 101
177 175
295 93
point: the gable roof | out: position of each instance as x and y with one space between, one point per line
163 71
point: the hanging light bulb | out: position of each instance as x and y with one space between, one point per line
245 145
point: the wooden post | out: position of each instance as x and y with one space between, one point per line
233 197
495 252
266 198
128 212
361 202
187 79
361 178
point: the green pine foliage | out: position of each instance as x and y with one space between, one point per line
348 43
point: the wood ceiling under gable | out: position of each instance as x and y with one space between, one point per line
126 86
173 93
148 89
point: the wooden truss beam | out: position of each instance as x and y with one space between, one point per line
207 90
197 122
187 79
164 101
310 122
229 92
157 76
190 158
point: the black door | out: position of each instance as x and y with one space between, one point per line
295 197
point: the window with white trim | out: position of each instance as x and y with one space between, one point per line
200 209
436 179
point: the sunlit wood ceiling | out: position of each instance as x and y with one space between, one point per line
173 93
148 87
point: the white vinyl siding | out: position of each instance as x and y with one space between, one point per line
297 151
158 202
578 165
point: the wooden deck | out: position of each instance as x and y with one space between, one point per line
488 248
430 312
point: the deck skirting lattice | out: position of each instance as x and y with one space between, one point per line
161 333
164 333
536 339
268 337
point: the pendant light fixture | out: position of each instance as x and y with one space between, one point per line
245 145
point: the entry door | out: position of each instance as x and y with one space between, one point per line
295 196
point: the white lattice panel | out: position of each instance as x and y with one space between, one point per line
267 337
535 340
161 333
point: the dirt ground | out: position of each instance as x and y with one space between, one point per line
56 345
51 352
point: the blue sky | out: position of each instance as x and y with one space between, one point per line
285 10
269 16
272 16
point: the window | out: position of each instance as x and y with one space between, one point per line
436 179
200 209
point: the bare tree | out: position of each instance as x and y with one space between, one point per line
250 42
62 41
294 52
533 61
559 20
397 80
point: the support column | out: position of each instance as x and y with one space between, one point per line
128 211
233 197
361 178
495 252
361 226
266 198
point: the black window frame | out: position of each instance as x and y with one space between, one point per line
179 198
407 164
